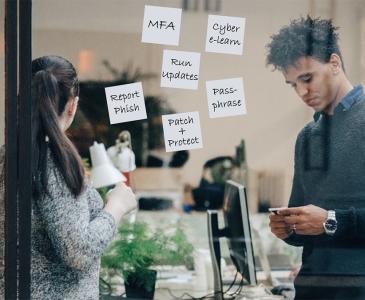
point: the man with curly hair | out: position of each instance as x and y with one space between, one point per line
326 213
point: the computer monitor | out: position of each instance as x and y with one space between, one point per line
238 233
237 224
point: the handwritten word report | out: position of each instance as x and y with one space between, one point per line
225 34
161 25
182 131
125 103
226 98
180 69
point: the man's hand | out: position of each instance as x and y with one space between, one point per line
278 226
305 220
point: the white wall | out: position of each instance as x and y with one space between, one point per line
112 29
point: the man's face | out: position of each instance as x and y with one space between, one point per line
314 82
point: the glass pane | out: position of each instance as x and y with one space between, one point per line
103 41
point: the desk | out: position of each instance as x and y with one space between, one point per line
195 227
177 282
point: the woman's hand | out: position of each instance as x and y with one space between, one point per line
120 201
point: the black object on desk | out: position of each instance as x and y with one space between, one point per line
154 203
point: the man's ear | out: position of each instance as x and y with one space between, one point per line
335 63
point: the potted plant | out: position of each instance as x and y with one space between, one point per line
135 251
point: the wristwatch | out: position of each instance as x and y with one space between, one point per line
330 226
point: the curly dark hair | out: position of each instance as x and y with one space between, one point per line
303 37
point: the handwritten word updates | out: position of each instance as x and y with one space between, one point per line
180 69
161 25
225 97
225 34
182 131
125 103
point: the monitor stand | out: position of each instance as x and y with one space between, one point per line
214 233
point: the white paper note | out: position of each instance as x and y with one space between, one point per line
125 103
180 69
161 25
226 97
225 34
182 131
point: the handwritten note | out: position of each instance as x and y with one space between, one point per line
226 97
180 69
225 34
182 131
161 25
125 103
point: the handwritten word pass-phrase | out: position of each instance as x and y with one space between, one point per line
225 97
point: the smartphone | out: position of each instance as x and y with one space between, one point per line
276 209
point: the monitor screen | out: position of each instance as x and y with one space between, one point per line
237 224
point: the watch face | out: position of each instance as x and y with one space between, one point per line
331 225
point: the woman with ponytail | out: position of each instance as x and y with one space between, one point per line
70 226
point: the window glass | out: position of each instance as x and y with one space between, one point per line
103 39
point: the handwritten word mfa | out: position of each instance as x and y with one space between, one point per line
161 25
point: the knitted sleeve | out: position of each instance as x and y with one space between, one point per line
76 238
350 223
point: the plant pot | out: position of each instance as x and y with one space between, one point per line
141 285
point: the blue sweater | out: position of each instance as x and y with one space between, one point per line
330 173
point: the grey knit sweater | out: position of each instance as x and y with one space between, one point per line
69 236
330 173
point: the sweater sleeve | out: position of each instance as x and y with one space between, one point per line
77 239
350 223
